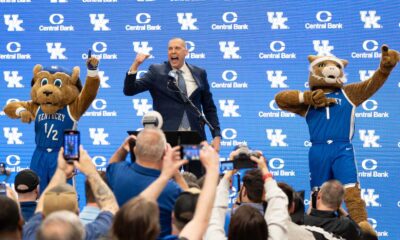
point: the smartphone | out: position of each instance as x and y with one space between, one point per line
244 163
314 196
3 189
71 145
190 152
226 166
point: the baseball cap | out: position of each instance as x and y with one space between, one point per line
26 181
61 197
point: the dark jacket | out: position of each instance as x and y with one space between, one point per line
331 222
170 104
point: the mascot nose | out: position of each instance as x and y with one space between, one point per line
47 93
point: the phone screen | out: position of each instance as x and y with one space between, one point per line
71 145
3 189
190 152
226 166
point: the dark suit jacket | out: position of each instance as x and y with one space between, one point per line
170 104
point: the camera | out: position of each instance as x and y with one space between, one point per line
190 152
71 145
226 166
242 159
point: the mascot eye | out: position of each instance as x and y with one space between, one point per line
321 65
58 83
338 66
44 82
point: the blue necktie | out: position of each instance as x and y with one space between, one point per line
182 85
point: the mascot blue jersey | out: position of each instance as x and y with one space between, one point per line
335 122
49 128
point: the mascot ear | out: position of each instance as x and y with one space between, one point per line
75 74
345 62
311 58
37 68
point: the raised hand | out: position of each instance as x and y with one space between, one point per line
92 63
141 57
389 59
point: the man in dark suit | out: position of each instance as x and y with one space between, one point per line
177 113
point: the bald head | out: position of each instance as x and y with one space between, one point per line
150 145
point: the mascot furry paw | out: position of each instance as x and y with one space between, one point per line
329 109
57 103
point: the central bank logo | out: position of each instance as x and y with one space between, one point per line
191 46
100 52
365 74
229 49
323 48
100 162
371 50
275 112
13 135
99 109
58 1
141 106
143 21
370 19
324 19
277 51
187 21
229 136
277 20
99 22
370 107
277 79
56 20
14 52
277 167
229 108
370 169
230 23
276 137
55 50
13 79
13 22
369 138
229 78
99 136
142 47
370 197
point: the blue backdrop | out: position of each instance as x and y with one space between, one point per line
250 49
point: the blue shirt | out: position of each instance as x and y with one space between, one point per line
94 230
49 128
335 122
128 180
28 209
89 214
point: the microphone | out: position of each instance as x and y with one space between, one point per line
152 119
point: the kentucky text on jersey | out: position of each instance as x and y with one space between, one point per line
54 116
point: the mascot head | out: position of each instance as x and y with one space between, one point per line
326 72
53 88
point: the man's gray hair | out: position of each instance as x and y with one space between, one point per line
150 144
61 225
332 193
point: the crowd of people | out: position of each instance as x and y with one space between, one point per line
152 199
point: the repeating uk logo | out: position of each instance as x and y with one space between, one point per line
142 47
370 19
13 79
369 138
13 22
103 80
99 136
187 21
229 49
276 137
365 74
323 48
370 197
277 79
56 51
277 20
229 108
99 22
13 135
141 106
